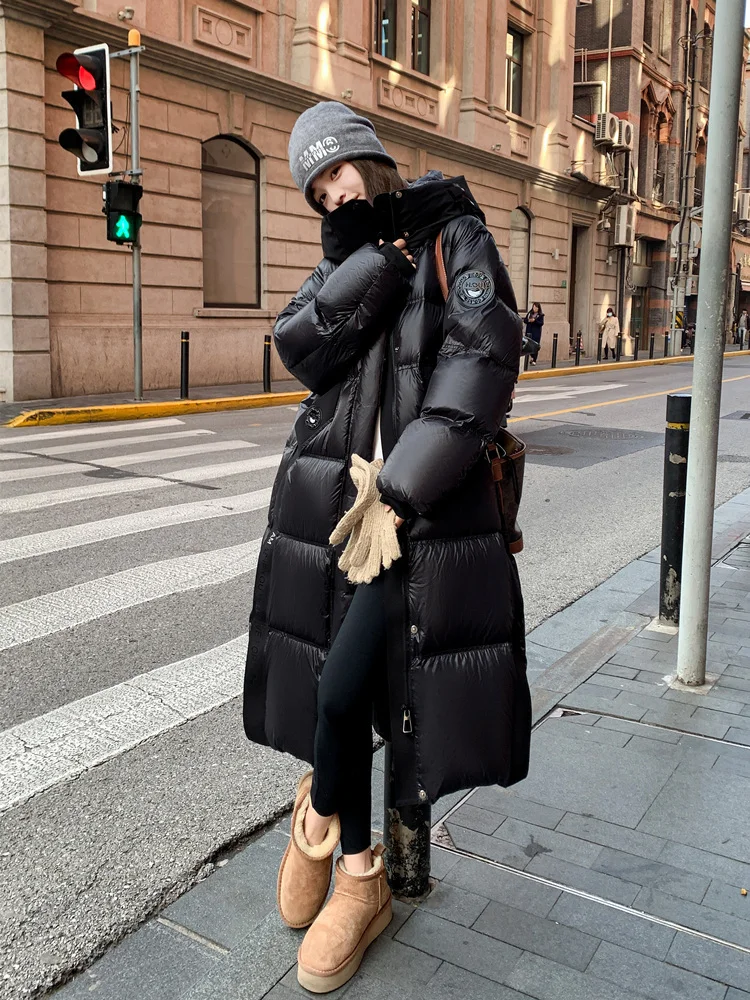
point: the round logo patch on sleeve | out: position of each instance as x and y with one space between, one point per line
474 288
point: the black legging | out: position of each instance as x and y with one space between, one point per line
343 739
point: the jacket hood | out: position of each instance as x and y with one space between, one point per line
417 214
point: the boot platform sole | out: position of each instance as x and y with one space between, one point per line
327 984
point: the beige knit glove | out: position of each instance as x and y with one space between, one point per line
373 543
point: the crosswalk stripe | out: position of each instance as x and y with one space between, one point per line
63 743
59 539
68 449
70 607
117 461
195 474
88 429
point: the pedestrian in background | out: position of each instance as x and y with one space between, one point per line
742 328
407 390
610 328
534 323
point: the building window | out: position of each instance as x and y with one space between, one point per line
420 36
231 224
519 256
385 28
644 138
648 23
514 71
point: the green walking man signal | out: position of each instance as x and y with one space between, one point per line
121 200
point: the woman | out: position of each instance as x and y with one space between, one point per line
432 648
534 323
610 328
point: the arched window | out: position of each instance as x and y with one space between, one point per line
231 224
662 156
644 185
520 250
700 170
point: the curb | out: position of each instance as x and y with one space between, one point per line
176 407
615 366
136 411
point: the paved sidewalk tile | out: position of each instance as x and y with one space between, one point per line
546 980
504 887
613 925
155 961
654 979
459 945
566 945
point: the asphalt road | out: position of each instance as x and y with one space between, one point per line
128 554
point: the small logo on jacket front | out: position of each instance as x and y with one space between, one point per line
318 151
474 288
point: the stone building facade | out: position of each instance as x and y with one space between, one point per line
483 88
657 48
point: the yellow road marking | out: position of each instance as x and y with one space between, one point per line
612 402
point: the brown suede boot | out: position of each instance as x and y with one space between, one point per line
305 872
357 912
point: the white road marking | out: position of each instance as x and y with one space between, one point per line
87 429
527 396
82 603
179 477
67 449
60 539
117 461
62 744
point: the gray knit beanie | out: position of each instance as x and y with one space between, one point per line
326 134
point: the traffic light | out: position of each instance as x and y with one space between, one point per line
121 208
91 141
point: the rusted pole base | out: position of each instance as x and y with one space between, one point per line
406 832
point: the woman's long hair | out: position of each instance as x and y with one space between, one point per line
379 178
538 307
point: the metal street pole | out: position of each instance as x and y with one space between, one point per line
726 81
135 139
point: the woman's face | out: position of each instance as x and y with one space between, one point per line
337 184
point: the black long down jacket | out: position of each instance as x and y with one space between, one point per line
366 331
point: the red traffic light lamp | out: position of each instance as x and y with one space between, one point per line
91 140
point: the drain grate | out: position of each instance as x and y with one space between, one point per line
604 434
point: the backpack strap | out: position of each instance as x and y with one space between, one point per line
442 276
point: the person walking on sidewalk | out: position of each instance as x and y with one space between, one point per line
610 327
742 329
534 323
407 392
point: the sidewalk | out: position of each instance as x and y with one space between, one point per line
616 871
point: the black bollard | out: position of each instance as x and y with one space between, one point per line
619 347
579 345
651 346
666 344
554 351
599 348
267 363
406 835
635 347
185 364
673 505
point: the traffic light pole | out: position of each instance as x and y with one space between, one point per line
133 53
135 142
726 82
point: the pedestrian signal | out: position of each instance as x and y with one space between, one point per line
121 201
91 140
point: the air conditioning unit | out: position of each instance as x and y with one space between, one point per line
625 134
607 129
624 226
743 206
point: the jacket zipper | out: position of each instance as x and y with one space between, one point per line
407 726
